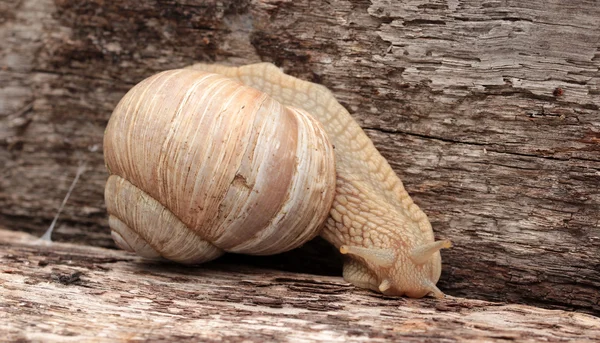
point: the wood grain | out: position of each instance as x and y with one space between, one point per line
69 293
460 96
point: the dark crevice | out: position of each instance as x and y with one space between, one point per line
416 22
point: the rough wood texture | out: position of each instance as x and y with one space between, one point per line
461 96
70 293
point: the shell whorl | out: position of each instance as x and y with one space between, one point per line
221 166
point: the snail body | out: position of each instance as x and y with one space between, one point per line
211 159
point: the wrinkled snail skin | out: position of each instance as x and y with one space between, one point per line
387 239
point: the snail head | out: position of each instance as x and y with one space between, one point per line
412 272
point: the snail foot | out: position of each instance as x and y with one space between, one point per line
359 275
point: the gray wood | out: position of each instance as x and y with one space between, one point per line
461 97
72 293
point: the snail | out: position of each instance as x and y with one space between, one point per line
211 159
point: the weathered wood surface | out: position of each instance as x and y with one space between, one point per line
459 96
70 293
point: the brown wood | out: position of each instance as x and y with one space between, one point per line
70 293
489 111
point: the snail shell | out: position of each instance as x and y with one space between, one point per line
212 158
201 164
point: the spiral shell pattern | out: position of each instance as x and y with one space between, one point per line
201 164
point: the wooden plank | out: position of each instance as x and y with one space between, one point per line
70 293
462 97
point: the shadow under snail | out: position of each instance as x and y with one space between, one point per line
213 159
